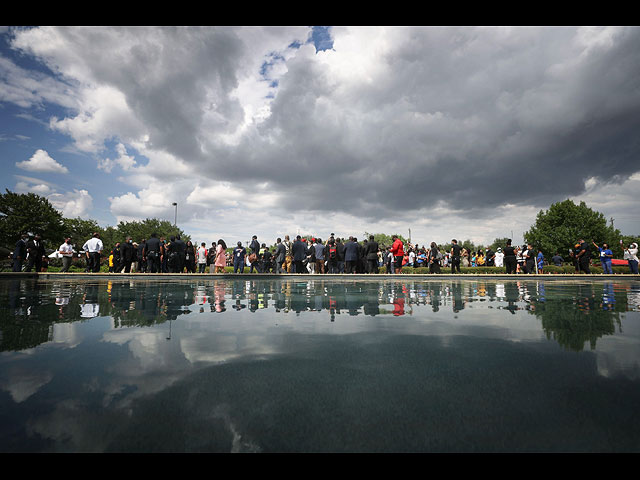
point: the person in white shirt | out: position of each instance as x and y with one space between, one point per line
631 255
93 248
202 258
499 258
66 250
412 258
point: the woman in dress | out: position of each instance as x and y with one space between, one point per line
465 257
434 260
221 257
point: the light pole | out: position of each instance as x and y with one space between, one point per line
175 219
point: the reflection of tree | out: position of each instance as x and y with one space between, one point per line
30 307
25 320
141 304
573 316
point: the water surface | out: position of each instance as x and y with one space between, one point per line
319 365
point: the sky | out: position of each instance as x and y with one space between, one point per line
443 132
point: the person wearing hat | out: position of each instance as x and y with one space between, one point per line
499 258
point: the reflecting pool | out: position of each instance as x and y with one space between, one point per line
319 365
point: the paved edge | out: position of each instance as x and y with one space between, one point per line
212 276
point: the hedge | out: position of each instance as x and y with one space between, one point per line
419 270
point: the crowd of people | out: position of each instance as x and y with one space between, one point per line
308 255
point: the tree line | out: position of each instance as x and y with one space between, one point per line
30 213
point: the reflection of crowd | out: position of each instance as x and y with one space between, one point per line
148 303
169 300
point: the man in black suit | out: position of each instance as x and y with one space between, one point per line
153 253
299 254
340 257
181 250
350 256
371 255
127 254
35 249
20 252
255 248
142 261
280 255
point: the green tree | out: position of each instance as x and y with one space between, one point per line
565 223
80 230
469 245
499 242
110 236
383 239
141 230
28 213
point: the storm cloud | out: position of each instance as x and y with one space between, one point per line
388 125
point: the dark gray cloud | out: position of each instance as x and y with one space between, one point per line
475 117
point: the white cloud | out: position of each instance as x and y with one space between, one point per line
77 203
42 162
29 89
155 201
126 162
37 188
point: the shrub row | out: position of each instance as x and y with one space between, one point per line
421 270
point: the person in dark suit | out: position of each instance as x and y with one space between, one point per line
255 248
180 248
350 256
280 255
371 255
20 252
127 255
340 250
299 254
142 261
153 253
35 249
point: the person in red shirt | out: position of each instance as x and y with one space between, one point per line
398 253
